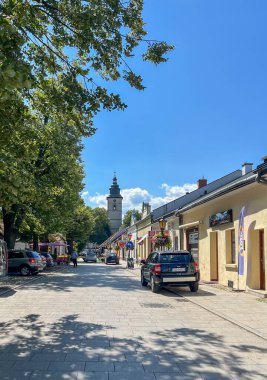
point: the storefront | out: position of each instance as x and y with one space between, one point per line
227 234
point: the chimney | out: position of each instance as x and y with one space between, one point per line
201 182
264 159
246 168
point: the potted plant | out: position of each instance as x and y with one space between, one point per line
162 240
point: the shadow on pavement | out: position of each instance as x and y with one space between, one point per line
68 347
6 291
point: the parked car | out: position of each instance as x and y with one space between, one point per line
90 257
112 258
49 259
43 260
25 262
170 268
83 253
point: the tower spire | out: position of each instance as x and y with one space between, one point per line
114 205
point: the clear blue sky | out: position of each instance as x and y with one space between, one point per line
203 113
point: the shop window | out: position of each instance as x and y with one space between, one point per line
230 247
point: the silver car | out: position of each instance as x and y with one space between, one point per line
25 262
90 257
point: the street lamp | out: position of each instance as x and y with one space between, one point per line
162 225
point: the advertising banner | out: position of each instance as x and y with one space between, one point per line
241 242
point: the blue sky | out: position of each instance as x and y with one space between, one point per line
203 113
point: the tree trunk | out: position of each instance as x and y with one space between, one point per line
70 244
35 238
12 221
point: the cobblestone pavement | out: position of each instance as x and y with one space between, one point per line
13 281
96 322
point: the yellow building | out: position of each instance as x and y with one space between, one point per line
209 228
143 246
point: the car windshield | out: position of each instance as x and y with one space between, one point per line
112 254
33 255
175 258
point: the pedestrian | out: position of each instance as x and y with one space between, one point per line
74 256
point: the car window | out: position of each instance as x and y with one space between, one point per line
173 258
154 258
15 255
32 255
148 260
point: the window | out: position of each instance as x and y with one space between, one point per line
15 255
154 258
33 255
176 258
150 257
230 247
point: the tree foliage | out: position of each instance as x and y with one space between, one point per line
55 59
80 226
128 217
101 230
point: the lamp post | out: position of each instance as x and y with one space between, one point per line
162 225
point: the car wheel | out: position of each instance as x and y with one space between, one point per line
143 281
194 287
25 270
155 288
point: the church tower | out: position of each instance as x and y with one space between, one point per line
115 206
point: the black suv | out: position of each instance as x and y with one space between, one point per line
170 268
24 261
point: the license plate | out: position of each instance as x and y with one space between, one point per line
178 269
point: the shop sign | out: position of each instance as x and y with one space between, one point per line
193 238
221 218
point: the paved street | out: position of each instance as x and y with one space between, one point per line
96 322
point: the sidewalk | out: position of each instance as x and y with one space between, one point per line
244 310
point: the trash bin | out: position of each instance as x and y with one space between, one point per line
130 262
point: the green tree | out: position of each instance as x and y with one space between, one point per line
75 43
55 60
101 230
80 226
128 217
52 182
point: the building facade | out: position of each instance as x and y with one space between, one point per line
211 228
114 206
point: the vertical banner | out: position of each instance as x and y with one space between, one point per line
241 242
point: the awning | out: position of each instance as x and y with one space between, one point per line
143 238
113 238
190 224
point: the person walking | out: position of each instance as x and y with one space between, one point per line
74 256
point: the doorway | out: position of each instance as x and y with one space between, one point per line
262 261
192 242
214 276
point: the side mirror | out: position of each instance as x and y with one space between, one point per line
143 261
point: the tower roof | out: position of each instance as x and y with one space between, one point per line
114 190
